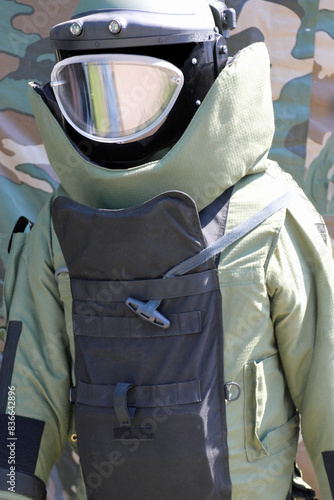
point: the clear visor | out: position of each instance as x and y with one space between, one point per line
115 97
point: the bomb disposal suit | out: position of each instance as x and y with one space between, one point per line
170 313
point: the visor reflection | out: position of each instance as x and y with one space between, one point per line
116 97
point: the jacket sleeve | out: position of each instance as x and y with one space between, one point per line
300 282
35 373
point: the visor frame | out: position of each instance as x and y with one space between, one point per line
139 60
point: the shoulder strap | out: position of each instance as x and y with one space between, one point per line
148 311
231 237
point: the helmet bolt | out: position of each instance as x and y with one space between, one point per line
198 102
115 27
223 49
76 29
194 60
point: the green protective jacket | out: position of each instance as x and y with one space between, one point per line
277 287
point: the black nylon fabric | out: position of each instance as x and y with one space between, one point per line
24 441
150 409
328 458
27 485
133 243
13 335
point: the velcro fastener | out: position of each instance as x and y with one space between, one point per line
134 433
19 442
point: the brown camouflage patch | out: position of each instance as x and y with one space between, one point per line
11 127
21 146
326 4
18 149
46 14
8 64
320 106
284 26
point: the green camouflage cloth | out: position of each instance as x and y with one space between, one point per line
299 35
300 38
27 180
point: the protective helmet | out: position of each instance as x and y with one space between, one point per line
130 74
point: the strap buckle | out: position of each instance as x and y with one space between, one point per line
148 312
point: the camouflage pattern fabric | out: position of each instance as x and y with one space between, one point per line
300 38
299 35
26 178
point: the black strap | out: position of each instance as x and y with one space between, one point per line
328 458
222 243
144 396
234 235
122 410
25 484
13 334
21 435
20 226
187 323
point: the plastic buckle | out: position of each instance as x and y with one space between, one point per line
144 311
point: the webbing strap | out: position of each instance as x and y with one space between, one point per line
148 310
130 396
225 241
13 335
234 235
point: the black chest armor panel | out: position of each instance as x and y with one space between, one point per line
149 395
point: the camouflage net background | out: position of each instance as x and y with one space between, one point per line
300 37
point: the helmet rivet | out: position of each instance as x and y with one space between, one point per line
198 102
115 27
194 60
76 29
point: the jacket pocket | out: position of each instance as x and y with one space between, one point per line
270 419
